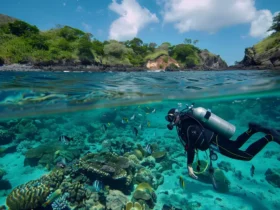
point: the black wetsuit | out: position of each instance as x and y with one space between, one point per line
194 136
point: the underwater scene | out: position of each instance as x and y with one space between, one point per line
99 141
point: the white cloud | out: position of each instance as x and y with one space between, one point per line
262 23
87 27
212 15
132 19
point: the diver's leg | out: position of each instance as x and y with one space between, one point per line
233 152
245 136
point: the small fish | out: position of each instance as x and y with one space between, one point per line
124 120
148 123
104 127
154 111
65 139
149 149
140 114
135 131
38 121
252 170
140 127
181 182
62 163
132 118
98 185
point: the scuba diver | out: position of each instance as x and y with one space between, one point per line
199 129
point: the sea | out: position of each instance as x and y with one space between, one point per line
86 140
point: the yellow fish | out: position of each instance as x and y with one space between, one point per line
148 124
181 182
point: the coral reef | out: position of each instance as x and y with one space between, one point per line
219 176
115 200
134 206
116 171
145 195
28 196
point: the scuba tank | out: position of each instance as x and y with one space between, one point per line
213 122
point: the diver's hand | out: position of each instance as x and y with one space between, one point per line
191 173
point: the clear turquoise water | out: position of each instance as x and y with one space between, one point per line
38 107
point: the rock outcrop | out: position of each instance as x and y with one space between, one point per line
207 61
264 55
161 62
210 61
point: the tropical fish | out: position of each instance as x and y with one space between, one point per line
181 182
252 170
135 131
140 114
124 120
154 111
52 197
149 149
148 123
104 127
132 118
65 139
62 163
98 185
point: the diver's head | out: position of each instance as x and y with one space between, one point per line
172 117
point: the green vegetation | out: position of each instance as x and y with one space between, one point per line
273 41
4 19
276 24
268 43
22 43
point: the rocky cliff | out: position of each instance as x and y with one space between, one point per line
207 61
264 55
162 62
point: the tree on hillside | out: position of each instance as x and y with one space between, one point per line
116 49
20 28
188 41
152 46
195 42
98 47
84 49
164 46
276 24
70 34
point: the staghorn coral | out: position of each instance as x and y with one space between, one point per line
61 202
116 170
28 196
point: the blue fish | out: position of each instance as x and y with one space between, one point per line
98 185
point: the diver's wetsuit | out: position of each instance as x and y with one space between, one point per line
194 136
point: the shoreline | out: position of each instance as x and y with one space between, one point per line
103 68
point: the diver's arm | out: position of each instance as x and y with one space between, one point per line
194 133
189 163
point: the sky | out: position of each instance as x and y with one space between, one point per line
224 27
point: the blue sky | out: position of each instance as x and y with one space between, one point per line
224 27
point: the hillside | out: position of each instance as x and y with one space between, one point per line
65 46
4 19
263 55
